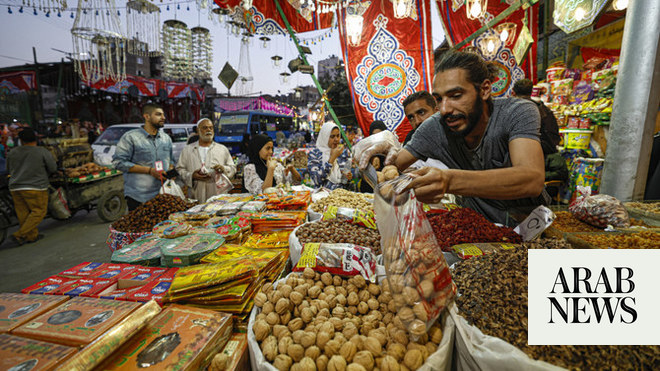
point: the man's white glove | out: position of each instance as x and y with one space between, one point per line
383 143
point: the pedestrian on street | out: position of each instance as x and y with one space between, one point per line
138 155
29 167
202 161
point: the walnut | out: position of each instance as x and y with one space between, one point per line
337 280
307 364
330 290
353 310
322 338
417 328
348 351
260 316
285 318
332 348
261 330
426 289
296 297
389 363
391 306
313 352
364 358
396 350
326 278
267 308
341 299
398 266
396 283
269 348
373 345
341 290
285 290
302 289
280 331
274 296
267 287
284 343
366 327
410 294
219 362
352 299
358 340
306 315
359 282
431 348
295 351
260 299
328 327
338 312
355 367
292 281
374 289
332 301
337 363
273 319
336 322
351 288
435 334
385 284
373 304
297 336
400 337
409 280
325 312
340 338
376 315
314 292
387 318
363 307
350 330
364 295
308 339
406 315
322 363
282 306
379 334
309 273
399 300
295 324
420 312
413 359
282 362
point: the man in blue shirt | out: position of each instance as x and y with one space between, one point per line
138 154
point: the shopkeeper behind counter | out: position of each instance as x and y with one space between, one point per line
491 146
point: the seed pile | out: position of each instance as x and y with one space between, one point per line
338 231
150 213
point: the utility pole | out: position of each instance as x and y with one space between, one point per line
39 116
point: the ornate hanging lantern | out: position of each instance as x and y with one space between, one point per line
177 50
402 8
143 27
202 56
476 8
489 44
507 32
244 68
99 48
354 28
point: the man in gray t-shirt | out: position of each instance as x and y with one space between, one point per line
491 146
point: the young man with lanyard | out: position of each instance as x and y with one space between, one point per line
491 146
417 107
143 155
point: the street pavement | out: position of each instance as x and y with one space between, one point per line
65 244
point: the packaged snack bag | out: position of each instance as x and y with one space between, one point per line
338 258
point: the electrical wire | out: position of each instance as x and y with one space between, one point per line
18 59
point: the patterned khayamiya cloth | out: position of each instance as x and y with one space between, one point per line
393 59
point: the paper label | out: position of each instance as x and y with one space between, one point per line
537 222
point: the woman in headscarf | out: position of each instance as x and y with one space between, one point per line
263 171
329 164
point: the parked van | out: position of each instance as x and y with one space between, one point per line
105 145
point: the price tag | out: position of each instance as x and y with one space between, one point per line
532 227
158 165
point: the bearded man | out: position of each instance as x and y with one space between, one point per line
143 155
202 162
491 146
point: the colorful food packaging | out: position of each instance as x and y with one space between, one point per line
208 275
78 321
82 269
276 221
273 240
338 258
254 206
85 287
470 250
104 346
265 259
179 338
236 351
142 252
16 309
364 218
48 286
113 270
21 354
144 274
185 251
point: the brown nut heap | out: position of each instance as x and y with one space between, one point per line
338 337
146 216
339 231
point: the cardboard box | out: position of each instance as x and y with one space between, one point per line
144 274
80 270
85 287
16 309
236 350
180 337
190 249
48 286
109 270
78 321
143 252
18 354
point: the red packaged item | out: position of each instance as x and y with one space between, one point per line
85 287
78 321
20 354
585 123
154 290
48 286
338 258
110 270
119 294
82 269
573 122
414 262
143 274
599 210
20 308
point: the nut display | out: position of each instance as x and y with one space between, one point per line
465 225
150 213
482 282
651 207
565 221
337 231
642 240
343 198
547 243
338 337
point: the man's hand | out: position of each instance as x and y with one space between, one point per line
348 175
430 184
289 169
157 174
197 175
336 152
219 169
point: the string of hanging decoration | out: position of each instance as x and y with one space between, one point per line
177 50
202 56
143 28
99 47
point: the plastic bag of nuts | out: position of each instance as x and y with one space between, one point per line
338 258
417 273
599 210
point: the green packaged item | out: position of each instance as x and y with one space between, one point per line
145 251
189 250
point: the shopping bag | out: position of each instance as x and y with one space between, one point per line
222 183
171 188
58 207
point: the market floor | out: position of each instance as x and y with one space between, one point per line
65 244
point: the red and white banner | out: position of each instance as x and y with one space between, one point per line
17 82
394 58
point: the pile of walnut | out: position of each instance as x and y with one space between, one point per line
325 322
83 170
343 198
389 172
